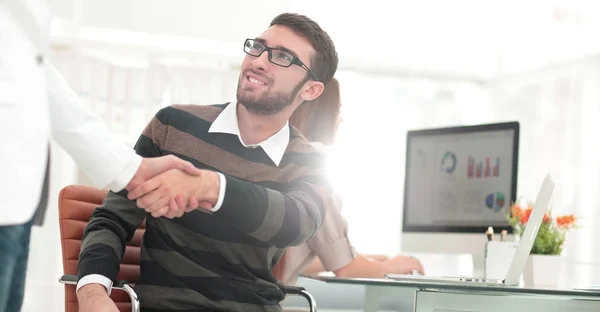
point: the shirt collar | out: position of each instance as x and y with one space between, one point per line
274 146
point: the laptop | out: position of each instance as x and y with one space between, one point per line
519 260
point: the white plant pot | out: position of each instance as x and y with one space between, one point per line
543 271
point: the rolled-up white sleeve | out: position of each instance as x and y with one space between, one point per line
95 279
102 156
222 185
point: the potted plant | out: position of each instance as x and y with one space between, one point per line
544 264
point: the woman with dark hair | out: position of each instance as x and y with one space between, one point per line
330 248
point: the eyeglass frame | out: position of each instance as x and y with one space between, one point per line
295 60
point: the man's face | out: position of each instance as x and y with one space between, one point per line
265 88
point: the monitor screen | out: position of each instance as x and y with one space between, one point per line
460 179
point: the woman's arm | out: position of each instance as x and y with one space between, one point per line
377 257
370 266
314 268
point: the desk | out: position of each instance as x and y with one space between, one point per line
440 297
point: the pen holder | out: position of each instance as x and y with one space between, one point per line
498 257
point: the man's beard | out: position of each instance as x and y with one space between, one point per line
267 104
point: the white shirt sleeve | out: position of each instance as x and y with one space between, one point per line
105 158
222 185
95 279
126 174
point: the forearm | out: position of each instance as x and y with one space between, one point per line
377 257
362 267
282 219
93 297
104 238
317 266
314 268
91 292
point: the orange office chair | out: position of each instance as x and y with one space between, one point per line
75 206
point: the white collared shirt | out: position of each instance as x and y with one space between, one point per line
274 146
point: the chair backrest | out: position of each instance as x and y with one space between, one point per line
75 206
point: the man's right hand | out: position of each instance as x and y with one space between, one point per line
151 167
94 298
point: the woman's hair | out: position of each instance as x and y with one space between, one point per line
318 119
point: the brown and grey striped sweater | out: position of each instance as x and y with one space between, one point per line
220 261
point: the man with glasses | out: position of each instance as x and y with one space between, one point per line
261 189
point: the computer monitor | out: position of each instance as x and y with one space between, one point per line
458 182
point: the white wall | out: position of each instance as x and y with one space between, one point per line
459 38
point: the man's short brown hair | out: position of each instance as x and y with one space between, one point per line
325 61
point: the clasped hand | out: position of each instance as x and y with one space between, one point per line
169 187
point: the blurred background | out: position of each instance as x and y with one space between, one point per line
403 65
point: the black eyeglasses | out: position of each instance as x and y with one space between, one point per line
277 56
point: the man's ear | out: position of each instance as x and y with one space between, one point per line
311 90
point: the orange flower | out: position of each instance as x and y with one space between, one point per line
524 217
565 221
515 211
547 218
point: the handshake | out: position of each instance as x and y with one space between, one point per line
168 187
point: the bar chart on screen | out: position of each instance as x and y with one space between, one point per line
477 169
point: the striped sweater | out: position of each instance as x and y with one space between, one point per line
220 261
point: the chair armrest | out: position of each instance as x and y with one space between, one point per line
135 304
118 284
301 291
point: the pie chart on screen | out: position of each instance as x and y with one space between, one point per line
495 201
